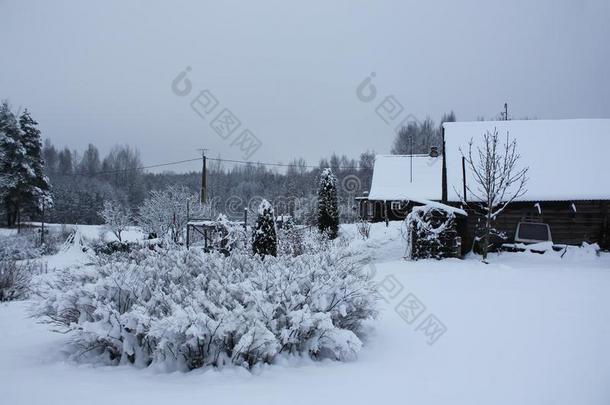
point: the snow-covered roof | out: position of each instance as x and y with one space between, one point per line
405 177
565 157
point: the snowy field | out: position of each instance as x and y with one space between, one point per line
525 329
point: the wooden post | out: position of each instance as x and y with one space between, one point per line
464 177
444 172
188 236
385 213
42 226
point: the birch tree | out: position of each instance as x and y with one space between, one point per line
497 179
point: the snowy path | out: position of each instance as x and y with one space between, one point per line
528 330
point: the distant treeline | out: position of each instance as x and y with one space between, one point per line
82 181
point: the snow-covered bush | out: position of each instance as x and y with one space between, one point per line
290 240
54 239
227 236
15 268
431 233
186 309
15 278
101 247
297 241
364 229
21 246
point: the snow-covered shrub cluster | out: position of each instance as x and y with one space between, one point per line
185 309
299 240
15 268
431 233
21 246
15 279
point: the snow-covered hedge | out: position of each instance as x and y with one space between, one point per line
187 309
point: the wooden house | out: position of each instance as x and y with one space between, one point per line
568 191
400 182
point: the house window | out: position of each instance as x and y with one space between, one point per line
398 206
369 208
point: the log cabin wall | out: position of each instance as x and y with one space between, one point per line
587 223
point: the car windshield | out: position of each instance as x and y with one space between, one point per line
531 231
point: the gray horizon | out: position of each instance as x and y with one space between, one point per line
102 73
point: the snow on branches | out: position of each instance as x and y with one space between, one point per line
165 213
116 217
23 185
498 180
185 309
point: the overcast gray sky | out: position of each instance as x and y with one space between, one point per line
102 72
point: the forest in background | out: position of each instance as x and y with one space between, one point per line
81 181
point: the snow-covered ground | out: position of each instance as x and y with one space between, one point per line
525 329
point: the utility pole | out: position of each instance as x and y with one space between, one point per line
505 111
203 193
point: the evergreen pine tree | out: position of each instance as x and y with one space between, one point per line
38 190
264 239
328 213
15 169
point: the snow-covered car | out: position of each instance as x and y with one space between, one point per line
533 232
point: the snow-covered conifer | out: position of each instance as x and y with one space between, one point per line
39 185
264 238
328 213
15 169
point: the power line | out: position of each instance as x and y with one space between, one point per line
107 172
276 164
132 168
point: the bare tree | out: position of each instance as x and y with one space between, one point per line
116 217
498 180
166 213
